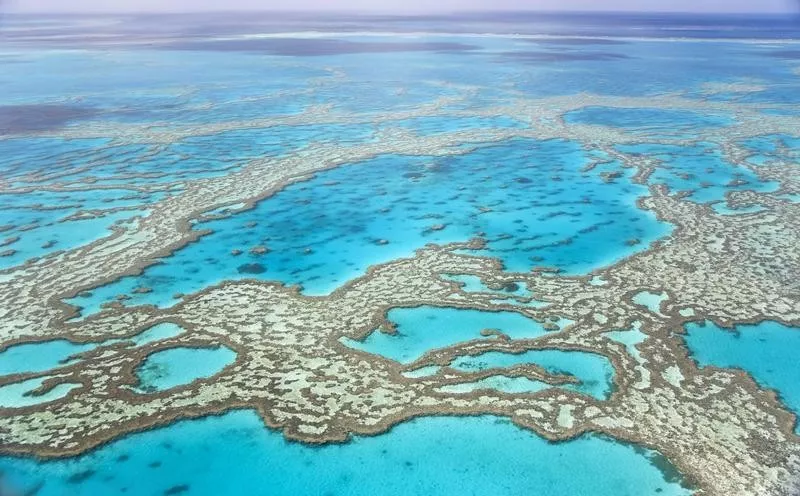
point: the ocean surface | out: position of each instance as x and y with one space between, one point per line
536 202
236 454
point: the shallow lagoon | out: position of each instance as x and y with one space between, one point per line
46 232
38 357
530 199
18 394
594 371
767 351
40 218
423 329
235 454
700 169
48 355
179 366
427 328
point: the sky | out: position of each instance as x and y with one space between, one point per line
400 6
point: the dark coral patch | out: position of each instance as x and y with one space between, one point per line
79 477
176 490
19 119
251 268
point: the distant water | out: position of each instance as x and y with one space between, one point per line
650 123
236 454
653 25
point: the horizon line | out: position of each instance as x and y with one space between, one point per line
402 13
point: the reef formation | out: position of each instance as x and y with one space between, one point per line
721 430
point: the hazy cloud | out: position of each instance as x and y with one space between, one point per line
409 6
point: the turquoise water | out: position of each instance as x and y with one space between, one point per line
36 223
423 329
235 454
700 169
651 301
512 293
769 148
529 198
47 355
767 351
630 339
81 163
649 122
158 332
532 200
427 328
38 238
38 357
17 394
179 366
594 371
